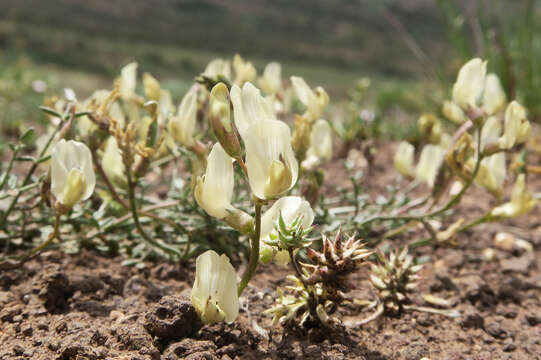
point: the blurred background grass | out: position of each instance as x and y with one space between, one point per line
409 49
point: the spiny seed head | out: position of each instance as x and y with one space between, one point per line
332 266
394 278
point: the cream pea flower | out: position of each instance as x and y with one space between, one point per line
291 207
182 125
494 98
128 81
470 84
218 67
517 128
429 164
214 293
315 100
214 190
249 107
492 172
271 81
72 174
112 162
244 70
521 201
453 112
403 159
320 149
270 160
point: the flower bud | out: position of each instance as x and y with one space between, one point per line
453 112
218 68
214 293
72 174
301 137
430 128
220 120
113 164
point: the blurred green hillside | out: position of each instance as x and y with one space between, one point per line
341 33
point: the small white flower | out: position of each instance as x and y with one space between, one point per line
214 293
492 172
181 126
72 174
315 100
470 84
403 159
214 190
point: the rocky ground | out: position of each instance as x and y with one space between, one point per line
87 306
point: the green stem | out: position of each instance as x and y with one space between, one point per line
10 166
135 215
49 240
27 178
254 253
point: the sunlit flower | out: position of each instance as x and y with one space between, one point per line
112 163
271 81
128 80
182 125
429 164
521 201
403 159
491 132
494 98
244 70
72 174
315 100
291 208
320 149
214 190
218 67
214 293
517 128
492 172
249 107
470 83
270 160
152 87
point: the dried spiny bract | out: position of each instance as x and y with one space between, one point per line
287 306
334 264
394 278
